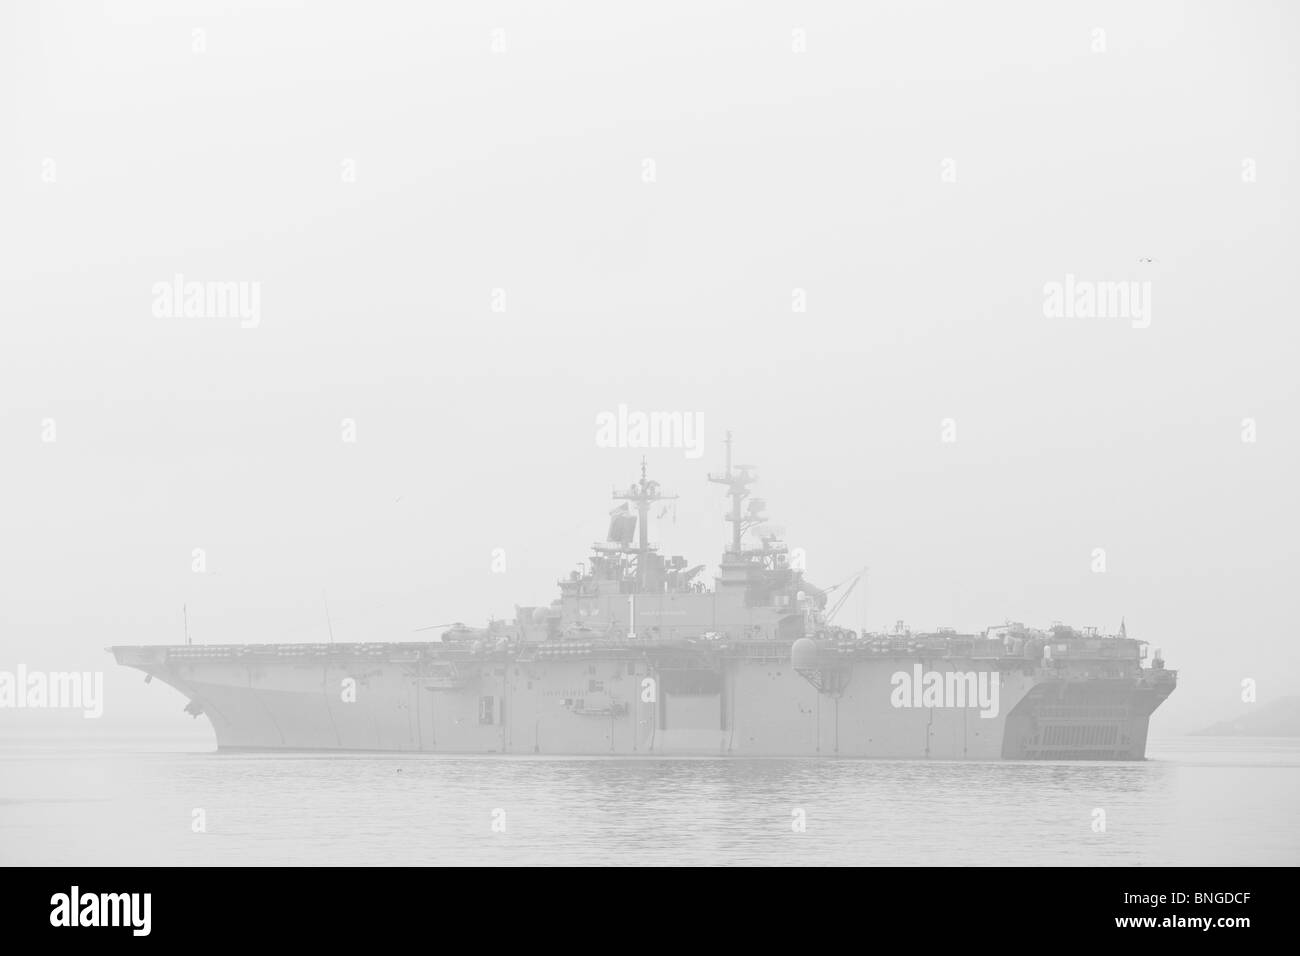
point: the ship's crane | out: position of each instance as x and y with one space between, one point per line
853 583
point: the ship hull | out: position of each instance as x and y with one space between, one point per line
412 699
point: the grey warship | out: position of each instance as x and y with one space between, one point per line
639 656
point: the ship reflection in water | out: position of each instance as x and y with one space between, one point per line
1195 801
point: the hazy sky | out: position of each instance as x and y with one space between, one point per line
921 171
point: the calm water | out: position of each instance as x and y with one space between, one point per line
130 801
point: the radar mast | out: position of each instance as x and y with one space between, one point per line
643 494
738 482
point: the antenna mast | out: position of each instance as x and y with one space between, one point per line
328 622
644 494
738 490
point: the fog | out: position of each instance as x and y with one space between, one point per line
464 259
